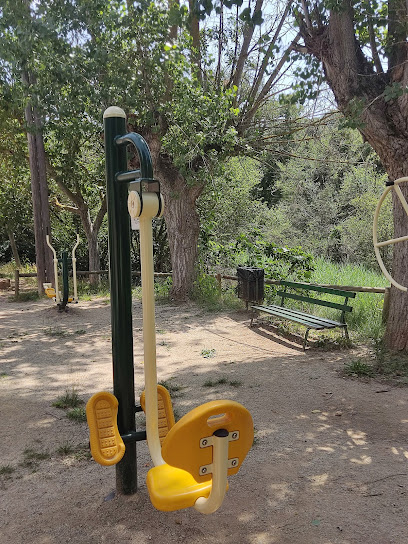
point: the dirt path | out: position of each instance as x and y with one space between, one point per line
329 463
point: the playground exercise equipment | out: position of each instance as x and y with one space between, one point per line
391 185
62 299
193 457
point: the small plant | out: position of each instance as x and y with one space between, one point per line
171 387
86 290
331 344
6 470
77 414
380 352
27 296
32 457
3 375
65 449
162 289
207 353
69 400
55 332
79 452
211 383
358 368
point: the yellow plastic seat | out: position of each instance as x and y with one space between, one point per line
187 452
50 292
165 411
172 488
107 446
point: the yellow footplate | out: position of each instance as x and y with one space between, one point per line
165 408
50 292
107 446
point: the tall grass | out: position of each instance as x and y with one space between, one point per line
365 319
7 269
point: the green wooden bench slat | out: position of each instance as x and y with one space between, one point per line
285 310
297 318
318 288
317 301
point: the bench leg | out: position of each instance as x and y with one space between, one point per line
305 340
346 334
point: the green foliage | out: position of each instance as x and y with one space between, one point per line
222 381
365 321
330 196
206 291
70 399
358 368
173 388
26 296
77 414
207 353
6 470
79 452
278 262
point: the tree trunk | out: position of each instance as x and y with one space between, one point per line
94 259
183 226
91 233
39 190
360 95
396 334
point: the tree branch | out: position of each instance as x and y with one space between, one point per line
308 24
220 45
195 35
268 85
67 208
243 55
268 55
373 45
100 215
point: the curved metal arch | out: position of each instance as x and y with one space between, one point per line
146 166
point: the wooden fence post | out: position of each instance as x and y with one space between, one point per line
16 282
218 276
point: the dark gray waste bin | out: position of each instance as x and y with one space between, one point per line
250 283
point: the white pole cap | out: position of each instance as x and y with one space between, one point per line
114 111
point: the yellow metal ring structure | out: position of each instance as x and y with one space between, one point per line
377 244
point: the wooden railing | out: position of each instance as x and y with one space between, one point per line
220 277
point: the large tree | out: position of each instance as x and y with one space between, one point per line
362 47
41 90
193 78
192 85
17 60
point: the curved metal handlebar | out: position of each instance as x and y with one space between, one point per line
146 167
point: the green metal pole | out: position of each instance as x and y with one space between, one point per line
121 295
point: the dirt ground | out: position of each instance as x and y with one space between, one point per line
328 466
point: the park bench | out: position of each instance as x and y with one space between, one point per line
291 291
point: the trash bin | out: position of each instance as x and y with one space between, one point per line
250 284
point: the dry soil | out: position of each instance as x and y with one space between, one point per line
328 465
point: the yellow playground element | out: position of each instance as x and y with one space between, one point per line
49 290
107 446
165 411
201 450
192 458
